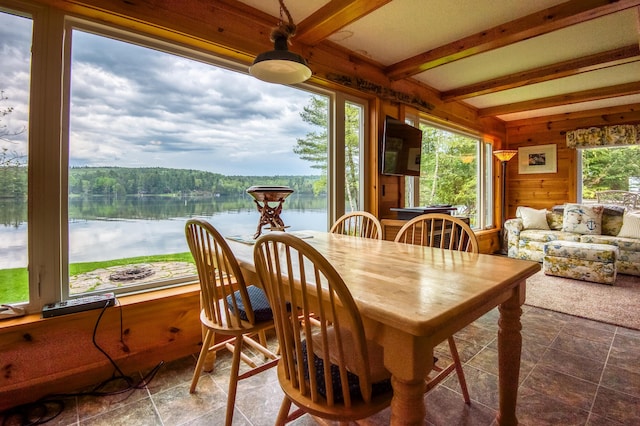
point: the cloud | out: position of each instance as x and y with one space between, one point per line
177 112
133 106
14 78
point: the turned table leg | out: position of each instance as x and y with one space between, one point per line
509 350
407 405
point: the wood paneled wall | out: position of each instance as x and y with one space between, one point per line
545 190
42 356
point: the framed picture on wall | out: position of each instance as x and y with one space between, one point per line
537 159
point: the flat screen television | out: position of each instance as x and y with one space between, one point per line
401 148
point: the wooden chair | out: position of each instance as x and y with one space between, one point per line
445 232
359 224
356 385
229 308
427 230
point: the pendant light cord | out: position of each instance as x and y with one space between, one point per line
283 29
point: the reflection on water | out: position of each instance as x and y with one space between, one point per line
103 228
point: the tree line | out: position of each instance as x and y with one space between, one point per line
122 181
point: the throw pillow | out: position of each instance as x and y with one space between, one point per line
533 218
583 218
630 225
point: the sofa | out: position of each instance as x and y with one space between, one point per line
531 231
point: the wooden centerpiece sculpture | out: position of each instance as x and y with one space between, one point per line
269 215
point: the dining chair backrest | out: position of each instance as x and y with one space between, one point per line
439 230
220 276
328 328
358 224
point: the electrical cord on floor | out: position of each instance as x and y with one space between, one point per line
51 406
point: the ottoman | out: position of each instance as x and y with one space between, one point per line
581 261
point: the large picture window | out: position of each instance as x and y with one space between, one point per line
156 138
154 134
609 169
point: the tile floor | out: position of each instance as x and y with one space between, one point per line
573 372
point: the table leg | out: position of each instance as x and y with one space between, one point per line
409 359
509 350
407 405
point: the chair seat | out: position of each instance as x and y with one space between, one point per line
377 388
259 303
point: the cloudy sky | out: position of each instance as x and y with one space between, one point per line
137 107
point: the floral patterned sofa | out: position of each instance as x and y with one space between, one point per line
531 230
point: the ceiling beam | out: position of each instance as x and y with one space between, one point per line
565 99
332 17
569 68
542 22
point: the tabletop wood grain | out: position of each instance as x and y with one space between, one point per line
413 287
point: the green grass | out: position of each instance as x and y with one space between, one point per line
14 283
80 268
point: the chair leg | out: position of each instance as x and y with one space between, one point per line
459 371
233 379
262 338
283 414
201 359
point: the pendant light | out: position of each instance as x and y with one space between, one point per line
279 65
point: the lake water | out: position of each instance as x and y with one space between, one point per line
102 229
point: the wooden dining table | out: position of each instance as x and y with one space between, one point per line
411 298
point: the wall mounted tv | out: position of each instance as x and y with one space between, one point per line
401 148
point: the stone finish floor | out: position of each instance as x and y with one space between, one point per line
573 372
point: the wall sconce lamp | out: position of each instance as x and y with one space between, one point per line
279 65
504 156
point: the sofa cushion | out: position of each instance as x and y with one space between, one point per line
625 244
630 225
554 218
582 218
605 253
546 236
611 224
611 218
530 244
533 218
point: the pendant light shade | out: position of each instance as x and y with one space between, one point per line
279 65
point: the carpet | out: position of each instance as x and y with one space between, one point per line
618 304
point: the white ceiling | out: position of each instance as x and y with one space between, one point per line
402 29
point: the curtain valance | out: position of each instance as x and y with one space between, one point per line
593 137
